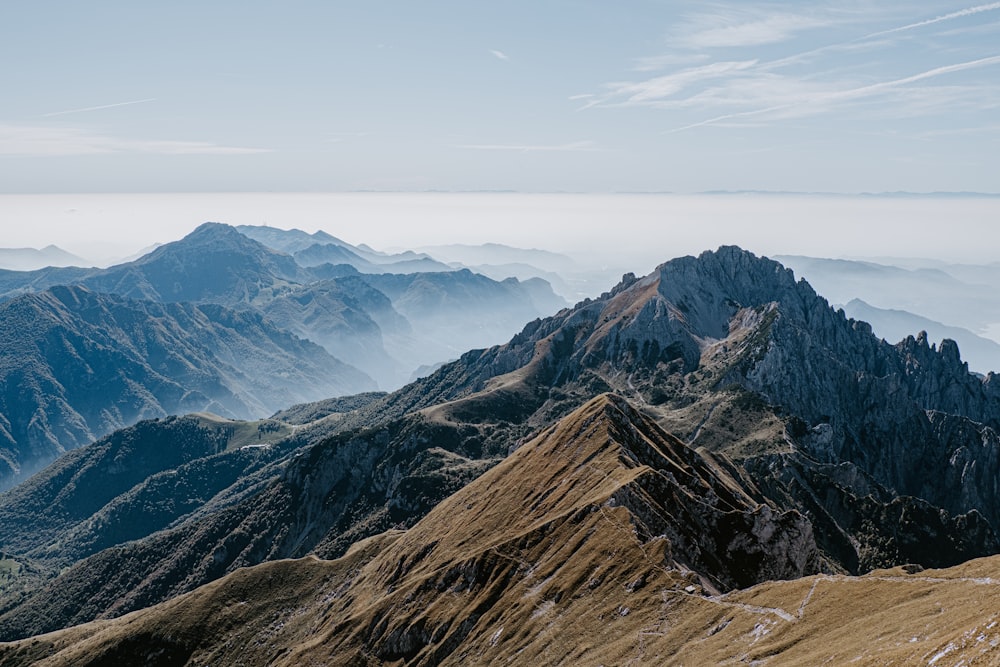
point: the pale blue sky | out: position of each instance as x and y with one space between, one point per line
584 96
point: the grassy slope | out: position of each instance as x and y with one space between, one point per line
536 563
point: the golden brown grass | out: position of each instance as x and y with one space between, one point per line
535 564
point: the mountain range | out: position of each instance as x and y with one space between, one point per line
29 259
982 354
220 322
77 365
955 295
707 464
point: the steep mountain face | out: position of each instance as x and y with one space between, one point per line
76 365
380 323
212 264
729 350
801 443
982 354
602 504
575 550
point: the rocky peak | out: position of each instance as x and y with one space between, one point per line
213 263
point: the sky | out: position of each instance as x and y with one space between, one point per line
589 96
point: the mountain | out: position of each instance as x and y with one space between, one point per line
459 310
16 283
212 264
496 253
569 279
76 365
303 491
667 446
290 241
982 354
969 301
321 248
30 259
600 541
730 351
387 335
318 254
351 319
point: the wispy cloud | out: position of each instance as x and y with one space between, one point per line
938 19
653 63
29 140
730 116
797 101
662 87
500 54
866 74
528 148
931 73
739 28
98 108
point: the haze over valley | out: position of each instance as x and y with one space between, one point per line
412 334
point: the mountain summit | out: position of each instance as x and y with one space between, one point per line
703 429
733 354
599 512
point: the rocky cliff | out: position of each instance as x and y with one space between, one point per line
601 541
800 443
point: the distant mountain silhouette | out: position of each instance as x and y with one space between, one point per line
31 259
218 264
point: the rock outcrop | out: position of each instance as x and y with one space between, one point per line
801 443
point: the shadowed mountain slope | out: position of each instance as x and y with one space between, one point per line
75 365
982 354
575 550
543 527
424 318
730 351
803 422
286 495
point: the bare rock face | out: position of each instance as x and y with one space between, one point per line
602 511
743 431
729 349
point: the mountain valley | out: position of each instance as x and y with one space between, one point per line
267 333
700 465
